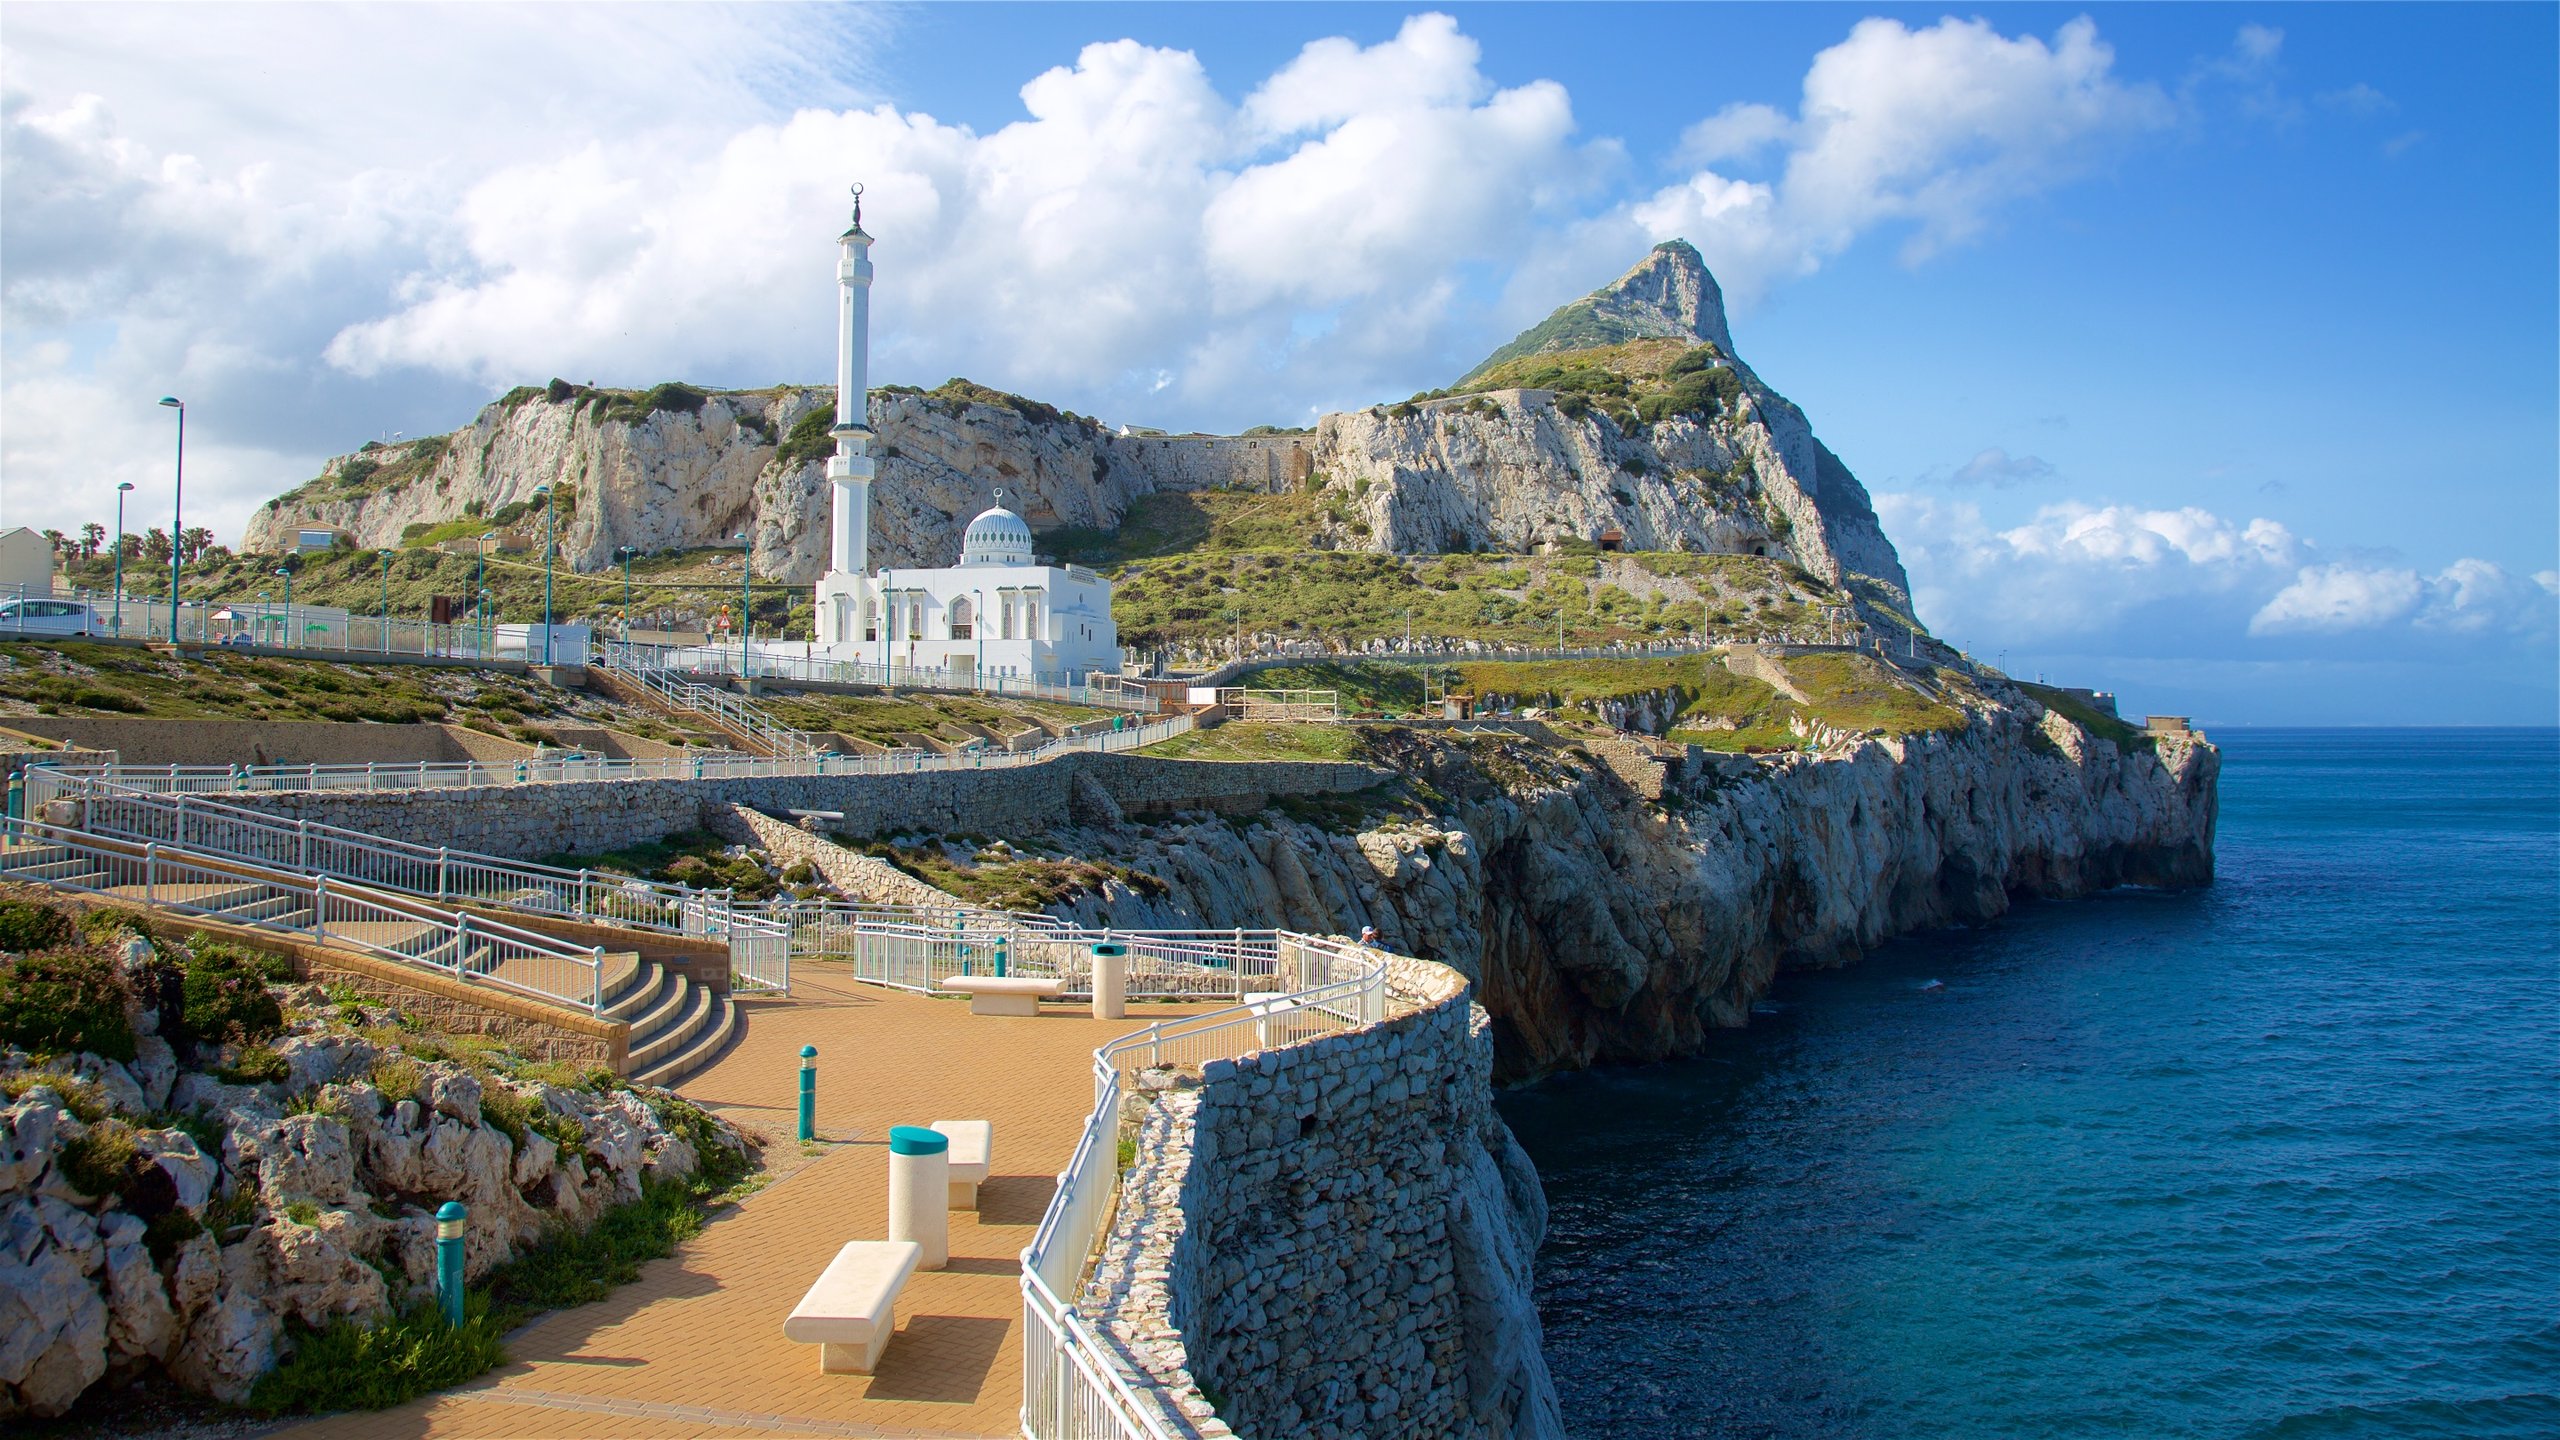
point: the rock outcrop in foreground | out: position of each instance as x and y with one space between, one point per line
191 1212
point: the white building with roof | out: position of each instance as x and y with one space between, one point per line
998 612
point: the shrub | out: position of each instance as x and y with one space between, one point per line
167 1232
257 1065
224 997
397 1079
352 1367
103 1160
66 1002
28 925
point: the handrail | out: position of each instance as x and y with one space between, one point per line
1069 1393
174 877
51 780
630 662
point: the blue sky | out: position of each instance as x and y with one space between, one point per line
2203 351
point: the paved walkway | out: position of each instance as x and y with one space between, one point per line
695 1347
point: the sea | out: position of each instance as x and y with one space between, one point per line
2278 1158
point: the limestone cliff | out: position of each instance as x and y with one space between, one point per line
1600 924
1511 460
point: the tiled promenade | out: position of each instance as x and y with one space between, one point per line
695 1346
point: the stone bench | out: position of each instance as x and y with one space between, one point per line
1004 995
851 1311
973 1144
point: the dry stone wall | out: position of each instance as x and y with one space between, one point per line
1336 1237
583 817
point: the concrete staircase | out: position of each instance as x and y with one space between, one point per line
677 1024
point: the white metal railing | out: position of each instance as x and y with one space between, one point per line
771 662
758 942
645 666
470 948
60 779
1072 1387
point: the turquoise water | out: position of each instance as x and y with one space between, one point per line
2275 1159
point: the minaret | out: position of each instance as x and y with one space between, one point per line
849 469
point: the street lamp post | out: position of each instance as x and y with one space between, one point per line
746 572
122 490
386 602
978 628
888 617
488 627
624 554
550 528
266 612
177 515
287 573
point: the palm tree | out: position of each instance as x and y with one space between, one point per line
57 538
93 538
155 546
195 538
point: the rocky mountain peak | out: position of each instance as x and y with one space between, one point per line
1669 293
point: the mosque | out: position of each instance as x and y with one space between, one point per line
999 612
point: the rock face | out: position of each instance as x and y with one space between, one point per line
1600 924
1501 471
207 1271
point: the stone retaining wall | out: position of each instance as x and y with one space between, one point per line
1336 1237
585 817
269 742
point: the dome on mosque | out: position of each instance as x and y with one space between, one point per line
996 537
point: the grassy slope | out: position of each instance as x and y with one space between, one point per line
78 678
1183 563
1849 692
1261 740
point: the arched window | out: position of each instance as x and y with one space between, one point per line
963 619
1030 616
915 618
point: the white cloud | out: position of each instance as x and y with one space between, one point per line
1934 130
2467 597
2120 575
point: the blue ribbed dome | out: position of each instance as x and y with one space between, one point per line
997 537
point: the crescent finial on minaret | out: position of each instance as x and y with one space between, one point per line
857 204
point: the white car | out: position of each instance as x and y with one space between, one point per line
50 617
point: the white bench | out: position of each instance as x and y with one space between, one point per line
851 1311
1004 994
973 1144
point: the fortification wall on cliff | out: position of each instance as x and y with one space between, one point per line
1336 1237
1271 464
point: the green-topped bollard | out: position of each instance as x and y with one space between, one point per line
17 797
999 971
808 1092
449 1260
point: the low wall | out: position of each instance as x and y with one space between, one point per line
268 742
1336 1238
585 817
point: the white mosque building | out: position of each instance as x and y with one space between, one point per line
998 612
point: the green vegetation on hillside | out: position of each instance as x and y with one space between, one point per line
2127 737
1636 383
688 583
1709 705
881 719
1185 565
73 677
1262 740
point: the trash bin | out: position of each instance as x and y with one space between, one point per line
1110 981
920 1192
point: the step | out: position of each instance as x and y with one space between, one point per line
264 910
623 970
672 1069
670 1004
210 895
670 1038
401 937
644 995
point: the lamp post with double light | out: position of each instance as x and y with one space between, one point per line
746 572
177 515
287 572
386 601
550 528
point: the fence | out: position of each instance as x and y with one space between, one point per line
767 662
471 948
1072 1387
47 781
